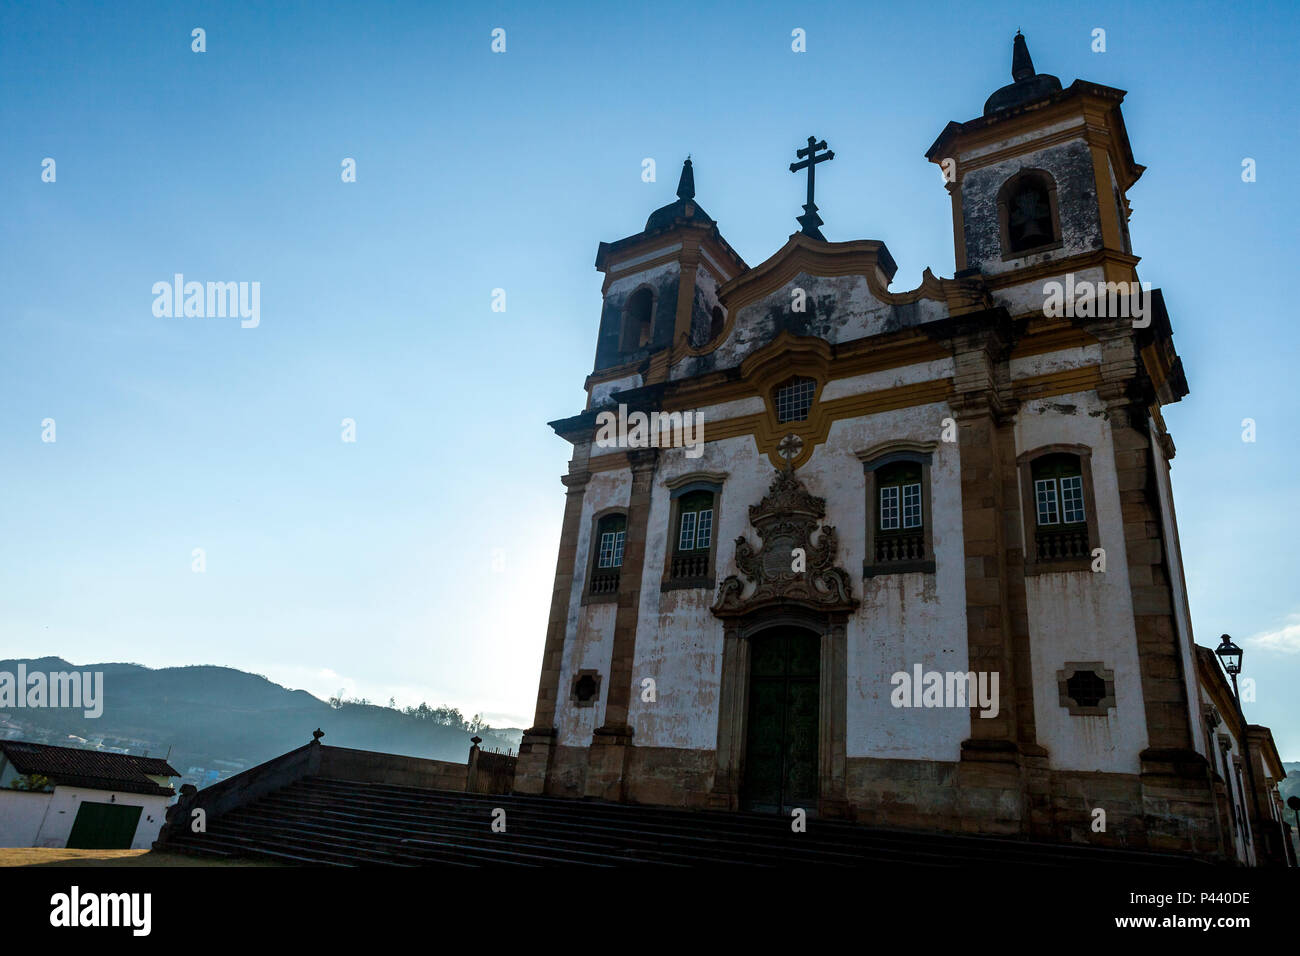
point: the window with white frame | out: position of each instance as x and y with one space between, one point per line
606 558
695 522
1059 512
1058 490
691 555
900 497
898 501
611 549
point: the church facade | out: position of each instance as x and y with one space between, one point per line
905 557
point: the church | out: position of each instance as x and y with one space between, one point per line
921 566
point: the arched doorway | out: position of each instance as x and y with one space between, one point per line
782 749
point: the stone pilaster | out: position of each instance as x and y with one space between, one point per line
1003 777
1177 782
537 749
833 720
977 407
607 759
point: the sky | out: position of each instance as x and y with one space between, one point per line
416 562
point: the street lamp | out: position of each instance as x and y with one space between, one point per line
1230 655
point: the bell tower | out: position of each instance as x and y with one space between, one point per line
660 293
1043 175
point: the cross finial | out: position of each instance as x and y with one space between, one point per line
810 220
789 449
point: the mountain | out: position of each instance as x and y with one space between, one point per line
1290 787
223 719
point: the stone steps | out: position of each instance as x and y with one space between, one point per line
338 822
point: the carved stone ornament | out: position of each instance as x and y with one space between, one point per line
786 520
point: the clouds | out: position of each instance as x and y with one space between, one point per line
1284 640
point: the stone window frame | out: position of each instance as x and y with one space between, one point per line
1029 515
624 346
1004 213
678 488
1103 706
573 688
594 547
733 702
875 458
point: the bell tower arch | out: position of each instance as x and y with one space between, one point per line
1043 175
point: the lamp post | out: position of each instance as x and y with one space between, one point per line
1230 655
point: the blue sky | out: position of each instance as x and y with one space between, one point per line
369 565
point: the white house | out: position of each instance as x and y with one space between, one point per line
88 799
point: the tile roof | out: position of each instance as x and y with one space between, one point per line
94 769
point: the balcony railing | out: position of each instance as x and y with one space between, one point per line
1062 545
605 581
891 548
689 567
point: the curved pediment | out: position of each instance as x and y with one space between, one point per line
863 257
836 291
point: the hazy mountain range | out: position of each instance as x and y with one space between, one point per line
220 718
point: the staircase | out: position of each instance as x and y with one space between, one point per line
344 823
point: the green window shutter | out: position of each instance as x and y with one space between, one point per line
899 495
694 530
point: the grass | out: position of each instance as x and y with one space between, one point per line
56 856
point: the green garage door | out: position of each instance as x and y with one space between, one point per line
104 826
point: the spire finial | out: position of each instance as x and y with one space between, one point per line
1022 67
686 185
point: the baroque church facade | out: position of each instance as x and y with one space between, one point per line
923 570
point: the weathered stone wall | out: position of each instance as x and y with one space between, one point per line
662 280
836 308
1070 165
702 305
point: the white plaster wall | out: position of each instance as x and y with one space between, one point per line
64 802
906 619
1223 766
754 405
725 273
1020 140
1081 615
21 813
1032 296
1058 361
589 630
628 283
626 264
1174 564
887 378
857 314
600 394
679 641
